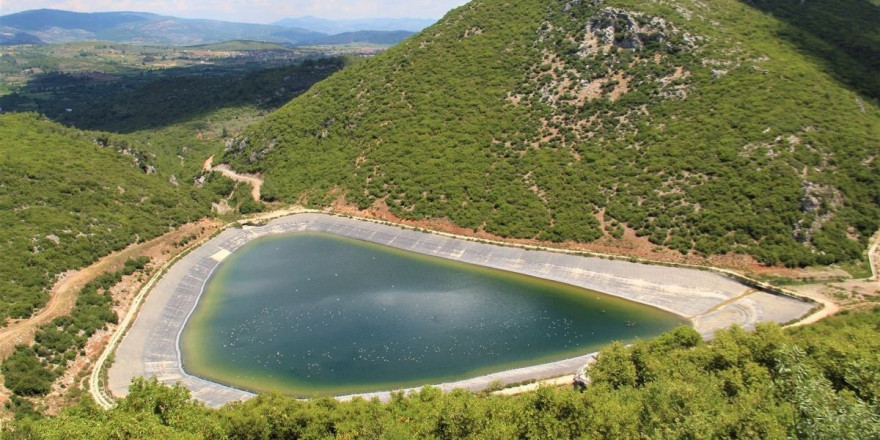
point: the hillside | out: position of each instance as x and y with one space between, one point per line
704 127
70 197
17 38
190 97
56 26
176 103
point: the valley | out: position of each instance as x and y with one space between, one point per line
734 139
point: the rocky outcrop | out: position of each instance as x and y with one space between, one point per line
581 378
629 30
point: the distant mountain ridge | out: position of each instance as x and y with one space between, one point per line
45 19
19 38
56 26
330 26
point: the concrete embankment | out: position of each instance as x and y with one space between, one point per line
710 300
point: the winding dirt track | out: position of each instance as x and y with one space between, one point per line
830 307
64 293
254 180
63 296
61 301
872 257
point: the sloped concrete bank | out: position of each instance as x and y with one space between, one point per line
710 300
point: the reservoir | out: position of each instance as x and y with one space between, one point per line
310 314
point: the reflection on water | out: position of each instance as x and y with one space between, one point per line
314 313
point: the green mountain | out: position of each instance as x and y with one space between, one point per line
69 197
708 127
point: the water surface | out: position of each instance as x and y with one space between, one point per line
313 314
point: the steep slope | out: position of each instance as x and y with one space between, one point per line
56 26
698 124
66 200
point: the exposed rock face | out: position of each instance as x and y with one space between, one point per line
238 145
815 195
628 30
820 200
140 159
581 379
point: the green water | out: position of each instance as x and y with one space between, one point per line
314 314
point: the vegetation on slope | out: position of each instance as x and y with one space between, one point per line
67 199
842 36
165 101
175 106
70 197
695 124
122 88
813 382
30 370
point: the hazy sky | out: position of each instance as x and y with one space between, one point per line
252 11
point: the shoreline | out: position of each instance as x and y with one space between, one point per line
709 300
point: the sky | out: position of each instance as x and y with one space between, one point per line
250 11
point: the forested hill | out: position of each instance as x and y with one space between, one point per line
69 197
708 127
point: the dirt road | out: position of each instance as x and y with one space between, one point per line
63 296
65 291
254 180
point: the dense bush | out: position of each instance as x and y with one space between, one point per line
712 135
24 374
67 200
812 382
31 370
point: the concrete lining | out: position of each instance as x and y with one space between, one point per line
711 301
